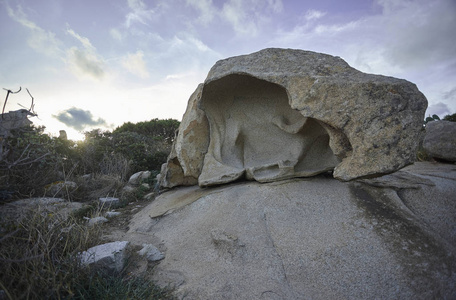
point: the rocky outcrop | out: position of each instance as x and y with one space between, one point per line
392 237
440 140
14 120
280 113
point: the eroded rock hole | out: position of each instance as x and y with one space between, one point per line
254 132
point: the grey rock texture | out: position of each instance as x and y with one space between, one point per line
313 238
13 120
60 188
17 210
440 140
137 178
112 214
97 220
109 201
109 257
185 161
151 253
282 113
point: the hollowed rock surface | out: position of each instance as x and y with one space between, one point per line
281 113
255 133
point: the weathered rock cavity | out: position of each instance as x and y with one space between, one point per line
254 131
281 113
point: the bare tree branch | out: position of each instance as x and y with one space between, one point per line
6 99
33 104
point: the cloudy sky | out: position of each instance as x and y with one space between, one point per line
97 64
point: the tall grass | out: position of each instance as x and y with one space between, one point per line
39 259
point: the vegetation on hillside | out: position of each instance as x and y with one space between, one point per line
39 254
40 259
34 159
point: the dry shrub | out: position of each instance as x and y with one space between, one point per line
40 259
109 182
115 164
39 255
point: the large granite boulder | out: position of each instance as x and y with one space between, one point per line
440 140
281 113
390 237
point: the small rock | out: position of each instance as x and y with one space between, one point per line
97 220
87 177
17 210
59 188
440 140
110 256
151 253
138 177
112 214
149 196
109 201
128 189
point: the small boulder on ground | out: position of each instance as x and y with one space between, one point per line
112 214
440 140
151 253
60 188
109 201
17 210
97 220
137 178
109 257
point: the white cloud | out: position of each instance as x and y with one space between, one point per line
84 62
206 9
314 15
235 12
140 13
275 5
420 33
390 6
440 109
40 40
135 64
84 41
450 95
247 17
116 34
136 5
337 28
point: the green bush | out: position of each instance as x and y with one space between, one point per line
35 159
32 161
451 118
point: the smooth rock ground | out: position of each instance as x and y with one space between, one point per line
393 237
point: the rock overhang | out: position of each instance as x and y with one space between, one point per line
365 125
